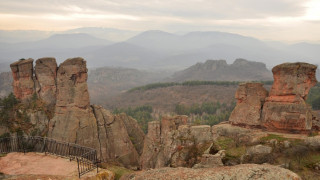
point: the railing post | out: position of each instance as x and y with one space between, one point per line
78 167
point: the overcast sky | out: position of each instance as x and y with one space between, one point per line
285 20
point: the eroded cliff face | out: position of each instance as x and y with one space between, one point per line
64 89
285 108
174 143
46 80
250 99
23 80
116 141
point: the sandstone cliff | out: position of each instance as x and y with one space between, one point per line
64 90
250 99
23 80
284 109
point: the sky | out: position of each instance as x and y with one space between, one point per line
274 20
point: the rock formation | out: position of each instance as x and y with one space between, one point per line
115 142
46 74
116 137
219 70
173 143
23 81
244 171
285 108
250 98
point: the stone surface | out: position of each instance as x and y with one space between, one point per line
245 171
73 120
241 134
23 81
285 108
114 141
259 149
292 79
250 98
211 161
46 74
173 143
313 141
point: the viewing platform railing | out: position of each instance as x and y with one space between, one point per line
86 157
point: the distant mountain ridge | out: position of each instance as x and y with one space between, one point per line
219 70
154 49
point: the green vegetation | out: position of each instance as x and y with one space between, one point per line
191 83
8 110
141 113
272 136
209 113
117 170
314 97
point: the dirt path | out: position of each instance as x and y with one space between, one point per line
37 163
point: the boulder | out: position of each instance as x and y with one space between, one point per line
172 142
313 141
244 171
250 98
23 81
46 74
285 109
210 160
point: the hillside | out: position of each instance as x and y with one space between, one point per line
165 99
219 70
107 82
5 84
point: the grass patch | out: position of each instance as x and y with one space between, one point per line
2 155
224 143
117 170
236 152
273 136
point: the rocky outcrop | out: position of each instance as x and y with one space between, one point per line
245 171
210 160
23 80
64 89
46 74
285 108
115 142
250 98
219 70
172 142
73 120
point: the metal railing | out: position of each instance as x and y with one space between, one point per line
86 157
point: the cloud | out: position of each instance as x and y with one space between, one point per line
170 15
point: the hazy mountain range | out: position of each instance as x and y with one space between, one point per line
148 50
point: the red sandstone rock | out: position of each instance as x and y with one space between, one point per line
285 108
293 79
46 74
250 98
23 84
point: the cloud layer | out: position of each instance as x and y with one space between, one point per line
290 20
